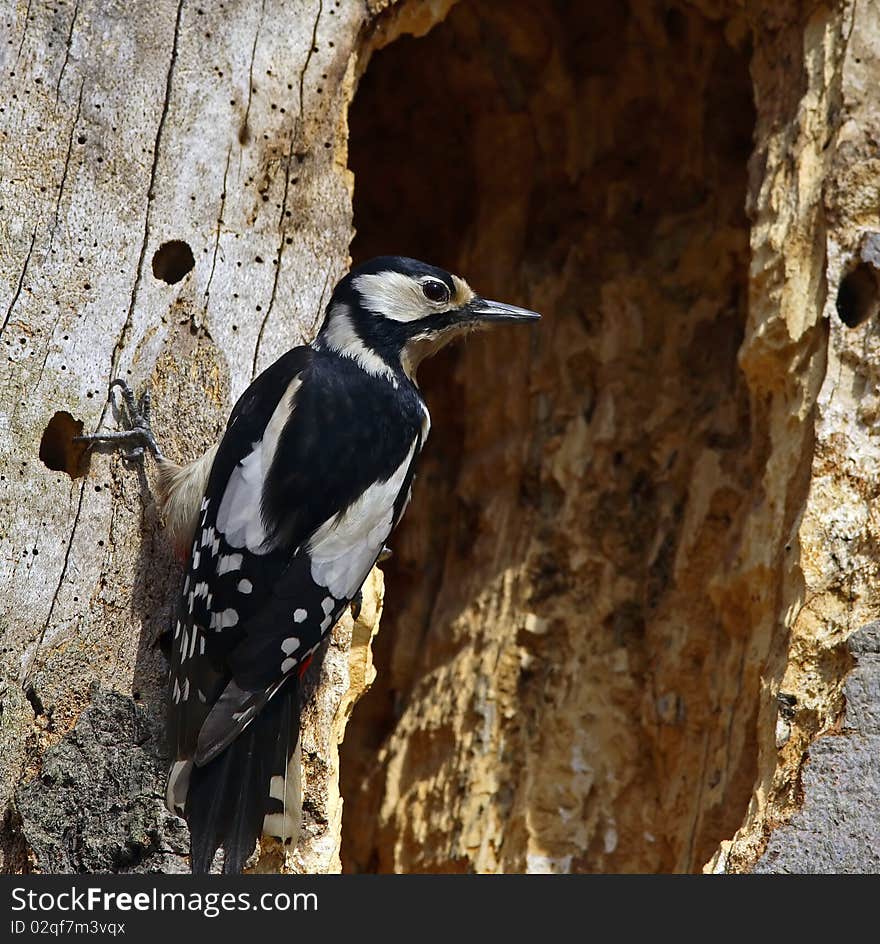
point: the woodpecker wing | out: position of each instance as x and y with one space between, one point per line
312 474
204 633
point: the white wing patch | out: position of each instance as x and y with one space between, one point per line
239 517
343 549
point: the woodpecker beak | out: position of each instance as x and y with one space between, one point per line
483 311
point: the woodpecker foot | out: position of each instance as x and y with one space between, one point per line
385 554
357 601
138 436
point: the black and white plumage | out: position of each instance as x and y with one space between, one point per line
286 517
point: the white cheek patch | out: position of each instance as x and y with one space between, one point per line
239 517
343 549
394 295
400 297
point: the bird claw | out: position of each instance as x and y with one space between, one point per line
357 602
385 554
139 436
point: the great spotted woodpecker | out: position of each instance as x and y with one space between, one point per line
282 522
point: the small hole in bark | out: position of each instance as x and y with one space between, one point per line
58 451
35 700
172 261
857 295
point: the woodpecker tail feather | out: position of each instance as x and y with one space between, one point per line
252 787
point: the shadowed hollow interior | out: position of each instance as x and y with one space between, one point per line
561 685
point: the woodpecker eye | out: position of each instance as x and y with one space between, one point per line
435 290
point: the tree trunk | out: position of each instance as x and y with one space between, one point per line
620 604
176 209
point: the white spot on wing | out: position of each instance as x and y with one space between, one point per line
288 665
299 615
290 645
224 619
229 562
245 586
343 549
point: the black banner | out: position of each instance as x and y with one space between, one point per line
159 908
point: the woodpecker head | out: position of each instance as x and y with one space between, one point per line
393 312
